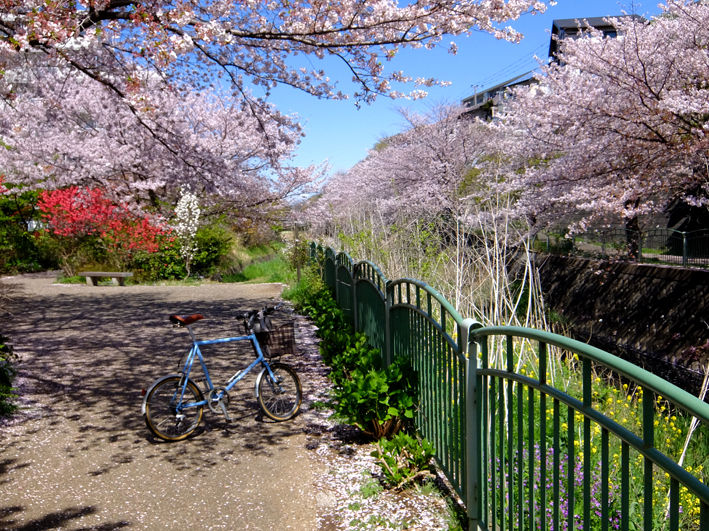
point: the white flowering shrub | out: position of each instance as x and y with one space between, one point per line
187 213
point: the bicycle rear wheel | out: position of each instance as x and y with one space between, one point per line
168 412
279 399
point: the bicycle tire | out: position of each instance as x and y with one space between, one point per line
160 411
279 401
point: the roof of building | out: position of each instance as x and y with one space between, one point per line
562 27
470 100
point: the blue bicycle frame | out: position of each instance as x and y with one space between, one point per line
238 376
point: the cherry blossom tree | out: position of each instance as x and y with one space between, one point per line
143 95
619 126
427 203
252 40
428 169
60 127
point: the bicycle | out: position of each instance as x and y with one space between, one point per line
173 405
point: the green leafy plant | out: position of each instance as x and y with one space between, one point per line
22 248
357 355
312 298
8 359
404 460
309 285
377 401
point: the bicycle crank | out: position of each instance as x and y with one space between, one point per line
218 401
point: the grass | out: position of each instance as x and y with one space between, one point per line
76 279
275 269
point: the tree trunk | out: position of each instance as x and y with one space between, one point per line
632 237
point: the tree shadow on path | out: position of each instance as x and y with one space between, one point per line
86 358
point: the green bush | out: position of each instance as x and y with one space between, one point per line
404 459
8 359
313 299
356 355
301 293
378 401
213 242
21 250
165 264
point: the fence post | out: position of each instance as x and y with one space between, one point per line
472 432
355 309
388 303
685 249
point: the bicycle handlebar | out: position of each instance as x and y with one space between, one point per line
267 310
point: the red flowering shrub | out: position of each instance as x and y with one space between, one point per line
91 228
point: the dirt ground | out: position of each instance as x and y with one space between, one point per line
78 455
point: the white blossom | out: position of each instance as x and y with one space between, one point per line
187 213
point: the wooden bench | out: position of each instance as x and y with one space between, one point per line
117 278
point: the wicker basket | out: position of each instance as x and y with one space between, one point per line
282 340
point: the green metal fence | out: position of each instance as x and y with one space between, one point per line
522 450
595 471
370 299
666 246
428 331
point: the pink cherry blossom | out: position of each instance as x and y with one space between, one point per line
142 98
619 126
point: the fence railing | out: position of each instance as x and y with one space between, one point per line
523 448
668 246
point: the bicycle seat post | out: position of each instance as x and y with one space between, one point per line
189 329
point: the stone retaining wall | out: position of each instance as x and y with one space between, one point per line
655 316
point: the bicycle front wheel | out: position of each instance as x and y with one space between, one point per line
279 398
169 412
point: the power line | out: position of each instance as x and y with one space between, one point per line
516 67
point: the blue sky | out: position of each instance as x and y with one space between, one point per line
340 133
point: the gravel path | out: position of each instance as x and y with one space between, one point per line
78 455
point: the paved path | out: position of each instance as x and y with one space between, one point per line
79 455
